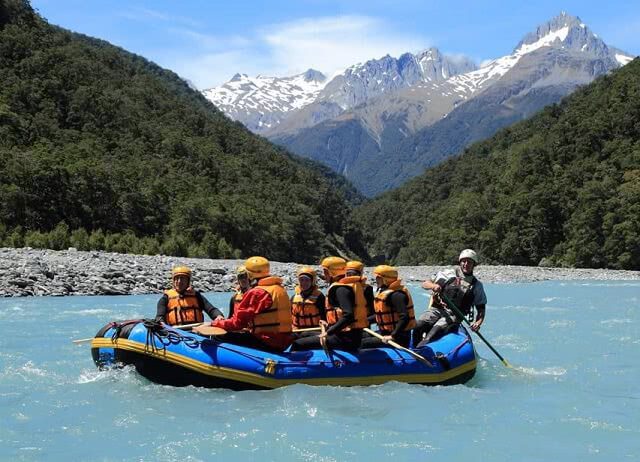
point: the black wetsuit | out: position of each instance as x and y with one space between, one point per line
336 338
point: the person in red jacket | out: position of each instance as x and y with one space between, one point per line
262 319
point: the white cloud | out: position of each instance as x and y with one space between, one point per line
150 15
328 44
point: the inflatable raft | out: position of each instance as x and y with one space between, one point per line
174 357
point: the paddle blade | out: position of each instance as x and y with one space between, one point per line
209 330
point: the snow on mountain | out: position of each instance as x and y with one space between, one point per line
429 82
260 102
563 31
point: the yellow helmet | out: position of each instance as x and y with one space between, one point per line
257 267
309 271
386 272
334 265
241 271
181 270
355 265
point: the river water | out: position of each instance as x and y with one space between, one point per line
573 395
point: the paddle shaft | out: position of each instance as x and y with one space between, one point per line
459 313
397 346
306 329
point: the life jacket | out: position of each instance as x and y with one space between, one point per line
277 318
183 308
386 318
304 309
334 312
460 291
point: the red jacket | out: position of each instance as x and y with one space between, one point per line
255 300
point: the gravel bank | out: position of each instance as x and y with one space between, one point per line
26 271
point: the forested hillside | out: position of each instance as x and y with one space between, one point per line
562 188
102 149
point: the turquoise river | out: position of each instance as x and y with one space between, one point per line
573 395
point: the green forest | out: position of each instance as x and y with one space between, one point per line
560 189
102 149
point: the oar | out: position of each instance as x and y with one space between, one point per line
397 346
306 329
453 306
209 330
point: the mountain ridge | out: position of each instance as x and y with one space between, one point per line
417 127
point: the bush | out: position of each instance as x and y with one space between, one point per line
36 239
59 237
80 239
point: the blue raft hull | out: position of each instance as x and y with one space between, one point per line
181 358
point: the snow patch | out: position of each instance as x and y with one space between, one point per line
623 59
547 40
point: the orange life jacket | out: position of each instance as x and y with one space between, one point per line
277 318
334 312
304 310
183 308
386 318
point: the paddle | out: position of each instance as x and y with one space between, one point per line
209 330
453 306
397 346
306 329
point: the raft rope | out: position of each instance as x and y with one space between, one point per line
157 332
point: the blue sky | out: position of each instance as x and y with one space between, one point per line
207 42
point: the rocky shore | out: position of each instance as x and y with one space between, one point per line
25 272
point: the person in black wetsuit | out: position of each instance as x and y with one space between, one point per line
182 304
393 307
346 310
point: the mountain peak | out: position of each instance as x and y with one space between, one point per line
311 75
563 31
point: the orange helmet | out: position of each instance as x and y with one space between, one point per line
257 267
334 265
355 265
386 272
309 271
181 271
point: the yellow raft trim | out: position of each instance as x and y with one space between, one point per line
271 382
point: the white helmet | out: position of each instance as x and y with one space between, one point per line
470 254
